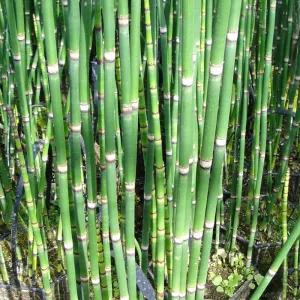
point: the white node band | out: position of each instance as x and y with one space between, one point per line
130 186
163 29
115 237
135 104
147 197
75 128
62 169
77 188
187 82
52 69
216 70
197 235
205 164
232 36
68 246
183 171
105 235
110 56
126 109
95 281
110 157
84 107
209 225
17 57
191 289
200 286
123 21
271 272
167 96
74 55
81 237
151 137
220 142
91 205
178 240
208 42
130 251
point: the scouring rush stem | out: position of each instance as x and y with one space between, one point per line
31 208
206 155
159 163
185 142
52 66
263 129
284 207
230 17
110 150
75 147
128 143
277 262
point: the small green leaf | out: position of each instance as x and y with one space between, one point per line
217 280
241 263
239 277
211 275
229 292
225 282
250 277
231 283
245 271
258 278
220 289
234 282
252 286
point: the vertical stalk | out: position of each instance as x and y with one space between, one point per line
128 143
75 147
52 65
206 155
109 110
285 231
263 129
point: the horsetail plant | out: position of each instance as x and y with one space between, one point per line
165 134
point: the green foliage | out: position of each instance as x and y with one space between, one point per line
220 289
235 264
217 280
252 286
227 286
258 278
237 261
